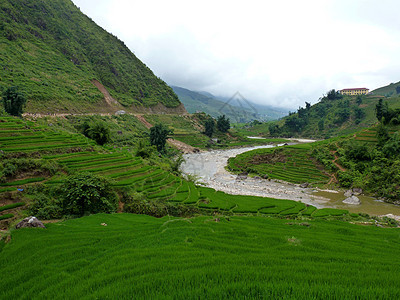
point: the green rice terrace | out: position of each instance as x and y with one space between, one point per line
289 163
69 153
121 256
205 243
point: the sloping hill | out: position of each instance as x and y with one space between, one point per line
53 52
332 116
388 90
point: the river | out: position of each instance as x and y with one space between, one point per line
209 167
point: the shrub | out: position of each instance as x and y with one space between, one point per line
13 101
87 193
97 131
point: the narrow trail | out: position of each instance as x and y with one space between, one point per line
185 148
110 100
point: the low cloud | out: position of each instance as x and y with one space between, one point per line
276 53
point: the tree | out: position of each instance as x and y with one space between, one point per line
209 127
97 131
158 136
13 101
398 89
87 193
223 123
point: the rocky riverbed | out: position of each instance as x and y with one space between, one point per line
209 167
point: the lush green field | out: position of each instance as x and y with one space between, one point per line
289 163
65 153
142 257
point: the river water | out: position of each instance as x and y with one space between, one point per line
209 167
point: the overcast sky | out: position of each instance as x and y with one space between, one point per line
280 53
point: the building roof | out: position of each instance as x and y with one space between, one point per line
354 89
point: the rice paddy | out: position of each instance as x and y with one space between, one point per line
218 257
288 163
136 175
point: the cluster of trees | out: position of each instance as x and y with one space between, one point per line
373 167
386 115
331 112
222 124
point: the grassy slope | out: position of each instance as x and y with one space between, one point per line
240 257
311 130
53 51
288 163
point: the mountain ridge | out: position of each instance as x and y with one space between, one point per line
53 52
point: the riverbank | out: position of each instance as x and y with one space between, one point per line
209 167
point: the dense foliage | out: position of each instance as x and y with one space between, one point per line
223 123
13 101
53 52
159 134
87 193
97 131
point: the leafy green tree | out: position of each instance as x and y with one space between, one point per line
87 193
382 134
159 135
359 99
223 123
321 125
209 127
391 148
13 101
97 131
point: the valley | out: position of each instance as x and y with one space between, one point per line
117 185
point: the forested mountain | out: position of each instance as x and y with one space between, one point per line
214 106
54 53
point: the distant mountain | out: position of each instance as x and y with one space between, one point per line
55 55
210 104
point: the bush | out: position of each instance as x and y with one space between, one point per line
45 207
97 131
88 193
13 101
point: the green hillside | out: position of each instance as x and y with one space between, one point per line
53 52
390 90
332 116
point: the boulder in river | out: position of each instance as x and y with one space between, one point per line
348 193
30 222
357 191
352 200
304 185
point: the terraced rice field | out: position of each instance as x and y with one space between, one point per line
133 173
369 135
288 163
142 257
18 135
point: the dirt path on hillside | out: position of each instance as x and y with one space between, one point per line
147 124
110 100
335 161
